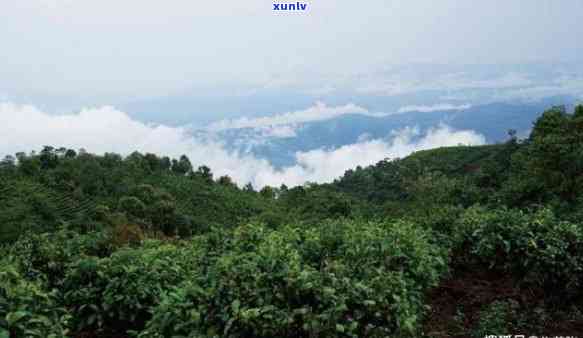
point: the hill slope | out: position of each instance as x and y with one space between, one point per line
450 242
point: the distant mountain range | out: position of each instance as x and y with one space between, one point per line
493 121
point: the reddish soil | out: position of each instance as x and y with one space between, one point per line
470 292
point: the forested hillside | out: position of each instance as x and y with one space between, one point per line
451 242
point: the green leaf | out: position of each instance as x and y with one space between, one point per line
14 317
236 305
195 316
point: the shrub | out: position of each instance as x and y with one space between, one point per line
441 219
127 234
346 279
26 309
495 319
132 206
537 246
47 255
118 291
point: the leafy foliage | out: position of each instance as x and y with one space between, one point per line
494 319
359 280
26 309
118 291
149 246
537 246
46 256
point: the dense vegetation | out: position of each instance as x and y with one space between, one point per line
451 242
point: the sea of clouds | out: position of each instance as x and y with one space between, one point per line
106 129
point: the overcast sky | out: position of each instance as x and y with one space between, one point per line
141 48
171 62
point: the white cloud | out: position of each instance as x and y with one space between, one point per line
25 128
364 137
563 85
319 112
284 125
435 107
465 81
398 85
148 49
323 165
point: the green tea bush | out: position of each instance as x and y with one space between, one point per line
365 247
26 309
344 279
47 255
440 219
495 319
538 246
118 291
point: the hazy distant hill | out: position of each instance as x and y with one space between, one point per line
491 120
